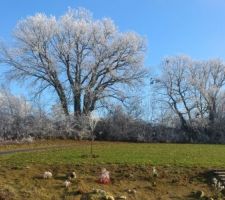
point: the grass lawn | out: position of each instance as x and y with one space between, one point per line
183 169
186 155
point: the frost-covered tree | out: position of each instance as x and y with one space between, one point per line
14 112
208 78
193 89
83 60
175 89
13 105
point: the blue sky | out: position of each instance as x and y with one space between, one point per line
193 27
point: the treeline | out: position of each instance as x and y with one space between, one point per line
191 95
20 120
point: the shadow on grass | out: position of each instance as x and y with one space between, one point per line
62 178
89 156
204 177
39 177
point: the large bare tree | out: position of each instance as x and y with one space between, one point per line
208 77
83 60
174 88
193 89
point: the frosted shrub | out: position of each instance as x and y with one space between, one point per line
28 139
217 184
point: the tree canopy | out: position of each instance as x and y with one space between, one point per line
83 60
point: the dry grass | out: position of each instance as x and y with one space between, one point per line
27 182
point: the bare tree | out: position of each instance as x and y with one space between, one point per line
81 59
208 78
174 88
14 110
193 89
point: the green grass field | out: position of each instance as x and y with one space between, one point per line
186 155
183 169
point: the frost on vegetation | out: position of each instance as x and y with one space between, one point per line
86 63
28 139
50 50
217 184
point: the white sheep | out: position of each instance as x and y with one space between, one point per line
67 183
47 175
72 175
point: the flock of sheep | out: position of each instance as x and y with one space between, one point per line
67 183
103 179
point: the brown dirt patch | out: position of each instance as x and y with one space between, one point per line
173 183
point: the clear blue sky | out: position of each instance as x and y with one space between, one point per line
193 27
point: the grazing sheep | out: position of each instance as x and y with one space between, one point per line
67 183
72 175
47 175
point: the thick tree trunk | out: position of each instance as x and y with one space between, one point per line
62 97
77 103
184 125
86 104
212 112
63 102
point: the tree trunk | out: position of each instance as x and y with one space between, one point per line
212 112
62 98
77 104
184 125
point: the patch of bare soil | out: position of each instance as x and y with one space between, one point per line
134 182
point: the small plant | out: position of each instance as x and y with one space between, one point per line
92 121
154 172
